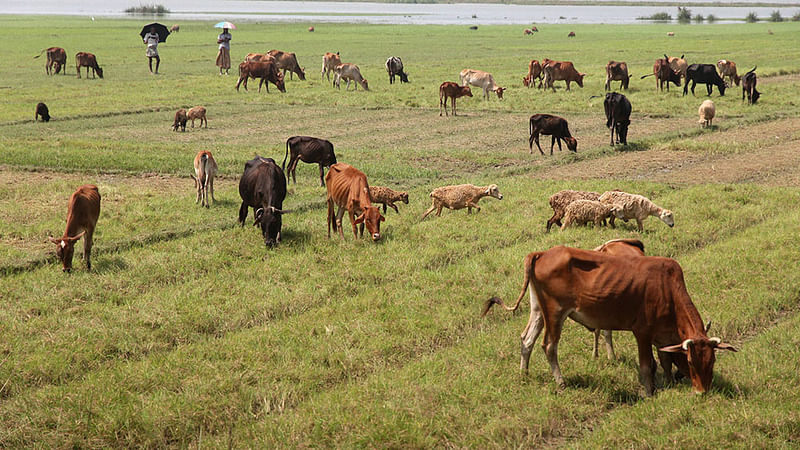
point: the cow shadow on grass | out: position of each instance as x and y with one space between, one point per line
630 147
108 264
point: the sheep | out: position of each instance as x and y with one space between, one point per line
706 112
180 120
581 212
561 199
198 112
460 196
637 207
386 196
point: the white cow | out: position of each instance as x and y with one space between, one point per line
349 72
483 80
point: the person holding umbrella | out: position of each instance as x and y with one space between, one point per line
224 41
151 35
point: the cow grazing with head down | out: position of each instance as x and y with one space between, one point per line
205 169
82 215
451 90
679 65
646 295
329 63
309 150
617 71
88 60
749 81
348 188
534 73
262 57
558 71
41 110
664 74
266 71
348 72
706 74
56 60
618 116
483 80
727 68
288 61
394 66
263 188
554 126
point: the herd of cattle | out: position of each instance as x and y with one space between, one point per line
613 287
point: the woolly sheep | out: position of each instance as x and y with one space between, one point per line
386 196
461 196
561 199
637 207
581 212
706 112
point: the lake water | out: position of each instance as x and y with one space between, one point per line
378 13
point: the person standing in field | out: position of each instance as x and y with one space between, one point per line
151 39
224 55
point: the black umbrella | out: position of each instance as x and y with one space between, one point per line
161 30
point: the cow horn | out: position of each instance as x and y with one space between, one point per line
685 344
715 340
708 326
279 211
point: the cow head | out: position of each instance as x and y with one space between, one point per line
99 71
279 82
57 66
526 80
493 191
371 218
579 80
403 77
674 77
65 249
499 91
364 84
667 218
331 160
572 143
270 219
700 355
721 87
756 95
466 91
302 73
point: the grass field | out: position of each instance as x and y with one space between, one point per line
189 333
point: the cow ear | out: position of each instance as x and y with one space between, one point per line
677 348
724 346
54 240
359 219
76 237
382 219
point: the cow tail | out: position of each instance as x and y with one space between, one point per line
530 130
203 179
283 166
530 262
40 53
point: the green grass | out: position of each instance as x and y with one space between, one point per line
189 333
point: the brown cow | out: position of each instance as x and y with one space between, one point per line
727 68
749 81
571 34
82 215
678 65
180 120
348 188
197 113
266 71
664 74
452 90
288 61
554 126
534 73
329 63
56 60
84 59
258 57
561 70
617 71
175 28
646 295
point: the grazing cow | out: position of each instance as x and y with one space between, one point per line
180 120
704 73
527 31
560 70
309 150
664 74
175 28
348 71
258 57
534 29
678 65
198 112
41 110
266 71
449 89
571 34
646 295
311 29
288 61
348 188
88 60
618 116
205 169
394 65
82 215
617 71
329 63
749 81
483 80
670 33
263 187
56 60
727 68
554 126
534 73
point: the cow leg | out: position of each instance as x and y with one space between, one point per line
453 104
339 216
612 132
439 210
331 218
384 209
321 175
646 363
554 321
531 332
608 337
199 190
352 216
567 85
211 185
243 213
665 359
596 334
709 89
87 249
693 85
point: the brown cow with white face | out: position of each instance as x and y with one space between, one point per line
82 215
348 188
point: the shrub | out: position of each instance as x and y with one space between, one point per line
711 18
776 16
658 17
698 18
148 9
796 17
684 15
751 17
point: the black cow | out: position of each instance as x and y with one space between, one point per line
555 126
704 73
263 187
394 65
309 150
749 81
41 110
618 115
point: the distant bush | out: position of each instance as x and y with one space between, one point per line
776 16
660 17
684 15
751 17
698 18
711 18
148 9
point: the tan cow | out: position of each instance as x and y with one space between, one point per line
679 65
348 188
329 63
288 61
727 68
197 113
348 72
56 60
205 169
260 57
561 70
617 71
483 80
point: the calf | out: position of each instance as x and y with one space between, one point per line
175 28
205 169
561 70
483 80
449 89
41 110
288 61
263 187
727 68
347 72
703 73
534 73
88 60
198 112
386 196
82 215
394 65
554 126
56 60
646 295
348 188
617 71
180 120
618 116
664 74
266 71
749 81
309 150
329 63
